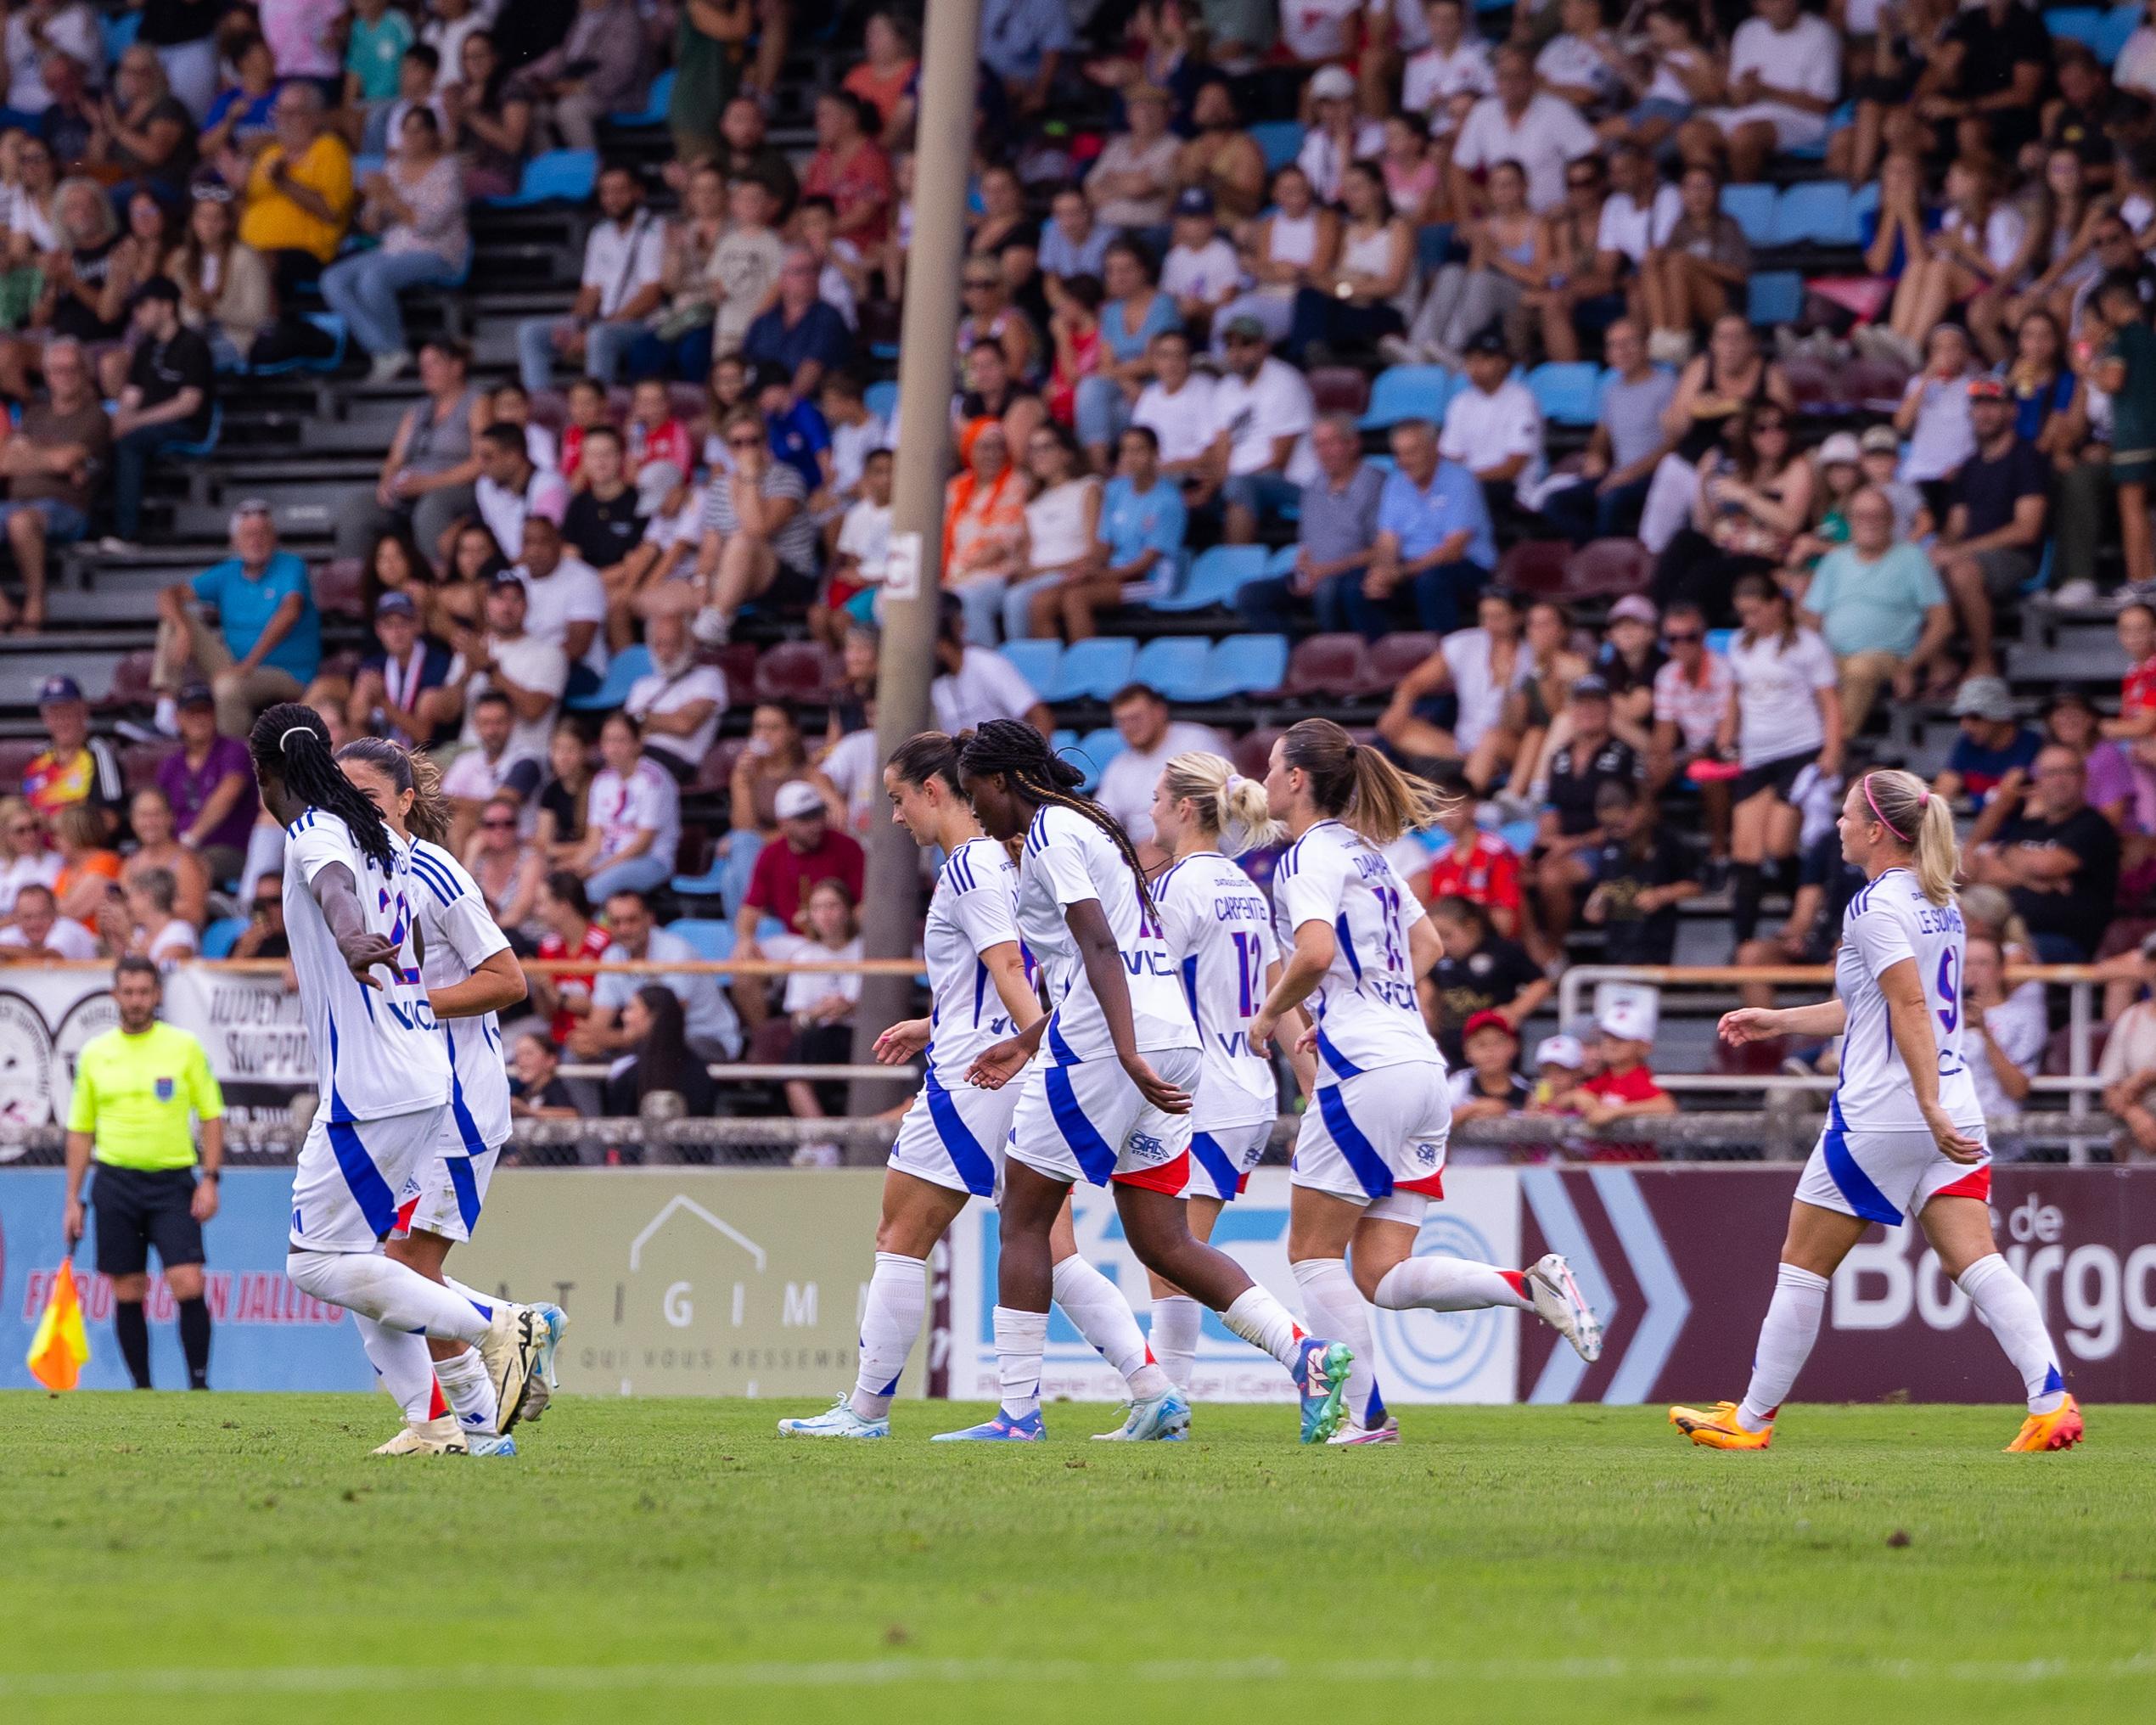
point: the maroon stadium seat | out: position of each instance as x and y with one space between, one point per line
1252 752
140 762
1340 389
715 777
793 671
1606 569
1393 656
338 586
1334 664
736 663
131 681
1535 568
16 753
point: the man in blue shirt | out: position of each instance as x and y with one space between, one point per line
799 434
265 645
1432 536
1023 42
800 333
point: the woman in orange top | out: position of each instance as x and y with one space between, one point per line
984 527
88 871
884 81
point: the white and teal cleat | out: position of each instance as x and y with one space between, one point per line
1560 1303
486 1443
1162 1419
840 1421
540 1390
1321 1375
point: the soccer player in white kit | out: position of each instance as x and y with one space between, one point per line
1108 1100
1904 1132
1371 1153
384 1081
950 1145
471 976
1217 925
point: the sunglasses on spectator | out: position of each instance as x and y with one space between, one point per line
503 821
744 443
1679 638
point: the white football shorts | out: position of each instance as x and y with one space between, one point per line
1378 1140
354 1176
1089 1121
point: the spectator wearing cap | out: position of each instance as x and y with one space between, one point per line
1560 1062
402 691
1583 755
1541 132
53 463
1994 532
565 601
171 390
620 288
1629 660
1627 444
1433 538
1134 176
974 684
74 766
2058 859
1878 604
209 780
1152 738
679 702
1365 297
512 489
802 334
1201 272
809 849
1338 136
1494 429
530 673
1489 1087
1262 412
1624 1088
267 644
1336 526
1878 462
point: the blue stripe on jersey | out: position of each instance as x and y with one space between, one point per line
369 1189
1190 987
973 1164
1061 1051
1362 1156
443 883
467 1189
1865 1198
980 990
1214 1161
1347 945
1086 1143
338 1111
1334 1059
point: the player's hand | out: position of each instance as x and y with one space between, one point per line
1262 1025
997 1066
363 952
71 1222
901 1041
204 1204
1154 1088
1953 1144
1749 1024
1306 1043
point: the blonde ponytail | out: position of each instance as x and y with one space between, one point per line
430 818
1903 803
1229 806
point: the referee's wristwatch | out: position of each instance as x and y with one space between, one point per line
209 1174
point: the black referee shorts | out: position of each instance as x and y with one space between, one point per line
137 1208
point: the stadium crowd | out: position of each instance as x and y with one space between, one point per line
1442 328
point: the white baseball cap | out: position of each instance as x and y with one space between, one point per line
1560 1051
797 797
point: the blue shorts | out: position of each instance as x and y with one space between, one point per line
1660 108
1261 493
64 523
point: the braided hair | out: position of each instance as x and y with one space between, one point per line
291 743
1022 754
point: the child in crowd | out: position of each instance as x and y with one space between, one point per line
1074 327
661 456
1642 872
1934 411
2127 374
510 406
1559 1061
863 555
1624 1088
1880 460
1489 1087
587 409
855 434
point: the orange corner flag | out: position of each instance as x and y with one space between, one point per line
60 1350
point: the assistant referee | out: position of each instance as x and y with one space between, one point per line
134 1088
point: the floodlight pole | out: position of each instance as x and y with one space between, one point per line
943 160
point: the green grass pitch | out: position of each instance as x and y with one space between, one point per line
242 1558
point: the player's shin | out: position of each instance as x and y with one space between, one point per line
1791 1326
1096 1305
402 1359
890 1321
1452 1284
369 1285
1021 1339
2003 1301
1335 1307
1267 1325
1176 1320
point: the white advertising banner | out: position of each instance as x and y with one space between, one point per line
1422 1356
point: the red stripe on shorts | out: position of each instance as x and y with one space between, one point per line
1170 1177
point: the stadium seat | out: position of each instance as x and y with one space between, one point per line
1535 567
789 672
1432 245
1862 202
736 662
655 103
339 585
1815 211
140 762
1215 577
1282 141
130 674
1097 668
1777 297
2119 23
1407 392
711 938
881 399
553 176
120 31
2081 24
1244 665
1034 660
1094 751
1752 207
1393 656
1175 666
1338 666
1339 389
1566 394
1282 560
219 938
626 666
1608 568
1252 752
715 774
196 448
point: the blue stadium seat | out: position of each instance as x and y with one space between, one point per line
655 105
1566 393
120 31
1244 664
1863 201
1282 141
1282 560
1752 206
1777 297
628 665
207 444
1034 660
712 938
554 177
2118 22
1433 244
218 938
1095 749
1214 578
881 399
1097 667
1407 392
1062 739
1175 665
331 324
1816 211
2081 24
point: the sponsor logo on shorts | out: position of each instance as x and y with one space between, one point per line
1149 1149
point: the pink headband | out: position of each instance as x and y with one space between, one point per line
1923 797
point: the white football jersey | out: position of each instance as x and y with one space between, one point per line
1366 1012
1886 922
1219 931
1067 860
460 935
973 909
376 1049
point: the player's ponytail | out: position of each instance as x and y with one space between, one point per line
1230 807
1358 784
1902 804
430 818
291 743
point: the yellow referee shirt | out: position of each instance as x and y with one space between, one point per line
133 1095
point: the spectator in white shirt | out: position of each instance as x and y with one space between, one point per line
565 600
1785 76
1318 32
1176 407
492 768
1337 135
678 701
1584 64
620 288
861 556
713 1028
1444 82
975 684
632 820
1637 215
512 489
1151 738
1262 413
1541 133
36 30
1201 271
39 931
510 660
1493 428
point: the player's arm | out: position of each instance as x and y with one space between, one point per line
1910 1020
1755 1024
362 949
1300 1060
496 985
1308 960
1104 962
1006 964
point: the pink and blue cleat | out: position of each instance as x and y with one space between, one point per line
1004 1428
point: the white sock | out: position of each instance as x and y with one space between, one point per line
1785 1344
1267 1325
898 1294
1450 1284
367 1284
1103 1317
1177 1320
1021 1338
2002 1300
400 1357
1336 1308
469 1392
